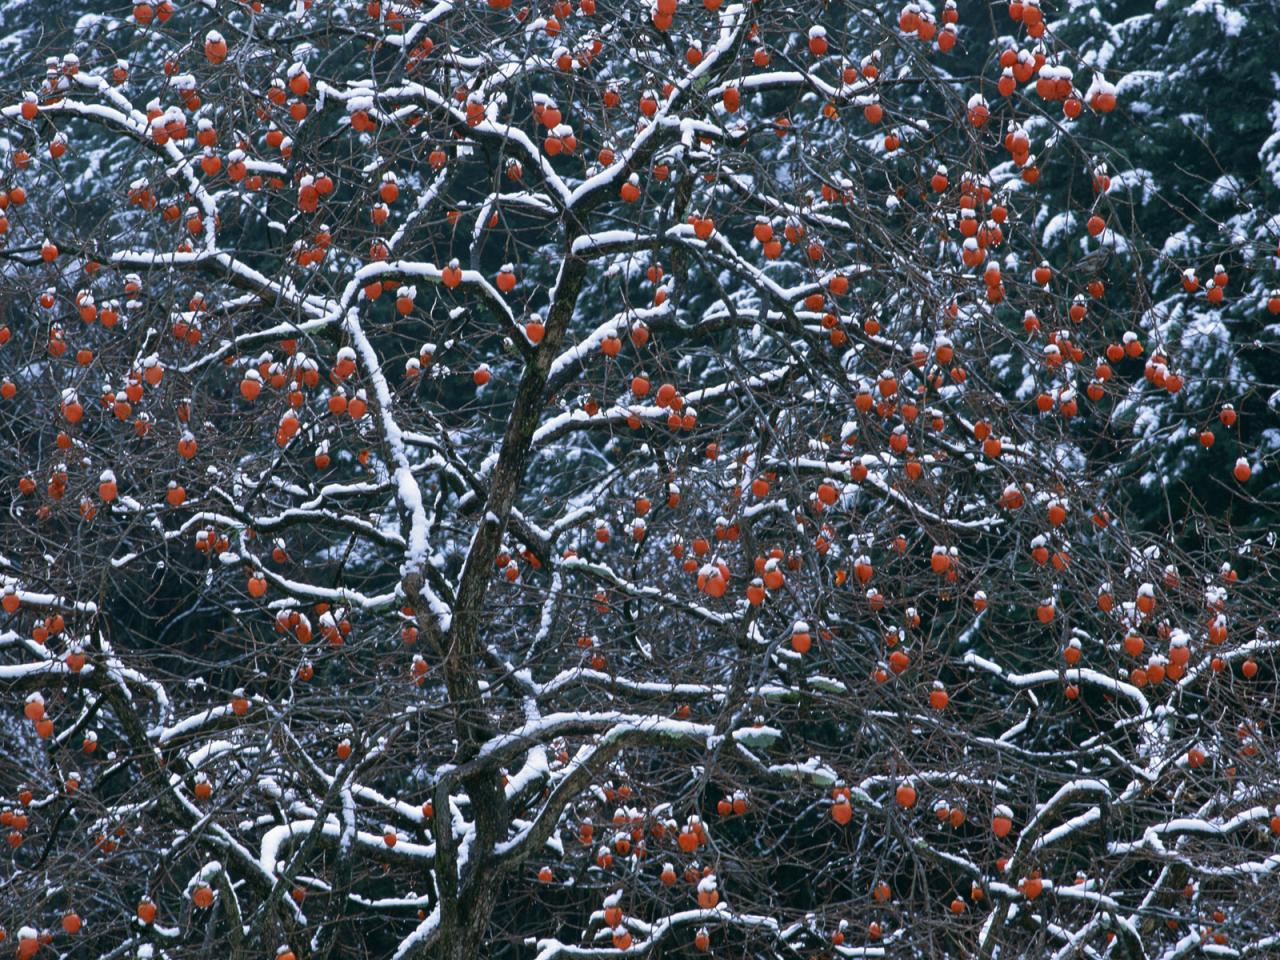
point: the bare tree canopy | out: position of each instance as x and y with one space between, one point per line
610 478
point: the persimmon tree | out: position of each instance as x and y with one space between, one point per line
601 479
